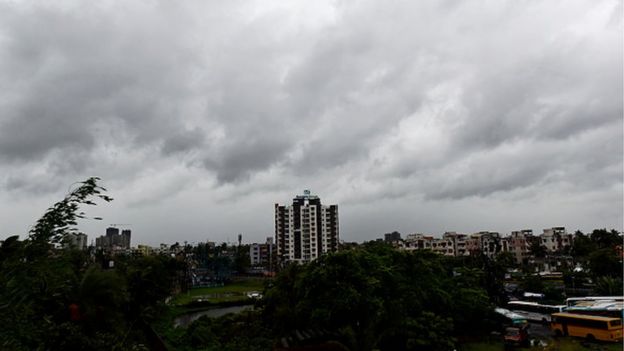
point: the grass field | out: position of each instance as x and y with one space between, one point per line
561 344
234 291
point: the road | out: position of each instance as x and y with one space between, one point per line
540 331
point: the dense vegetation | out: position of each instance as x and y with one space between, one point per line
361 299
601 253
57 299
377 297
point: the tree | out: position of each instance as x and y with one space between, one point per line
537 249
241 260
37 283
61 219
376 297
605 262
604 239
216 334
609 286
582 245
61 299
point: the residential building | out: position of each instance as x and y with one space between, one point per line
392 237
489 243
555 239
418 241
462 244
443 247
305 230
145 250
261 254
76 241
124 239
113 239
519 242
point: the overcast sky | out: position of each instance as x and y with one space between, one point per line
416 116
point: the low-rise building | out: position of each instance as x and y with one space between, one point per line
144 250
261 254
418 241
489 243
519 242
556 239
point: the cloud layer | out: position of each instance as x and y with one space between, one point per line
418 116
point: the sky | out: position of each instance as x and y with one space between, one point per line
415 116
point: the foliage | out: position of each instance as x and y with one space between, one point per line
603 262
604 239
61 299
376 297
598 253
241 262
216 334
150 281
537 249
216 259
61 219
609 286
582 245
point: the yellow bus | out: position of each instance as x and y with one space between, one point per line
585 326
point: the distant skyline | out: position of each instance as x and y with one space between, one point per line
425 116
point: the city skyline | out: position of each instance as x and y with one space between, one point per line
378 237
412 116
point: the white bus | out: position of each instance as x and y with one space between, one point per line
575 301
511 318
534 311
611 306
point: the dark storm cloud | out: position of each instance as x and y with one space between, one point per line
184 141
242 157
68 71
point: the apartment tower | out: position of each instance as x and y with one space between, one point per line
305 230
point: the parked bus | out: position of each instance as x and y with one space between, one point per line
534 311
585 326
575 301
509 318
608 306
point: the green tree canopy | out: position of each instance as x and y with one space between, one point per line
377 297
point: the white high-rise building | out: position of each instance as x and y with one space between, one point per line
305 230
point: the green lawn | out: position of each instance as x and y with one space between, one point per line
561 344
234 291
